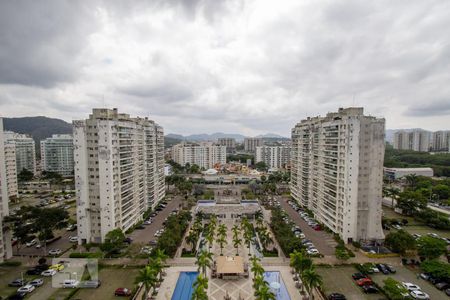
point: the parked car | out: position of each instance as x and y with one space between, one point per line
37 282
432 234
90 284
17 296
31 243
147 222
419 295
442 285
312 251
71 227
447 292
54 252
33 272
140 227
382 268
410 286
128 240
73 239
70 283
425 276
336 296
122 292
364 281
49 272
390 268
17 282
26 289
357 276
370 289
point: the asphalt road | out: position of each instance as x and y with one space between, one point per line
147 234
323 241
63 244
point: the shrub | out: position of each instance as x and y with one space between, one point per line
86 255
11 263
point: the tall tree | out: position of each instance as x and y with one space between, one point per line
430 247
148 277
264 293
204 260
311 280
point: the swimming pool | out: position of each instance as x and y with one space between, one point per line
184 288
274 279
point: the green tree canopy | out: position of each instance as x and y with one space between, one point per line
400 241
430 247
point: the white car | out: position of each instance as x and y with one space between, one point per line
312 251
38 246
73 239
26 289
37 282
410 286
48 273
31 243
432 234
55 252
419 295
147 222
70 283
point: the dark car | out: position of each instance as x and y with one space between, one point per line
140 227
41 267
122 292
357 276
336 296
128 240
370 289
447 291
382 269
17 283
17 296
153 243
390 268
442 285
153 215
33 272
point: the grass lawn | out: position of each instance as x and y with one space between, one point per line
111 278
339 280
413 226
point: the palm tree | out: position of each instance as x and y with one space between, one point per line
258 281
201 281
199 293
222 230
412 180
149 277
265 238
248 235
393 193
192 239
160 256
264 293
311 280
204 260
221 241
259 215
236 243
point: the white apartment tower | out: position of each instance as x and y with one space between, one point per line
11 169
250 144
5 236
416 140
230 143
119 171
277 157
440 141
25 151
57 154
205 155
337 172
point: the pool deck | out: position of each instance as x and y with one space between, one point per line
170 281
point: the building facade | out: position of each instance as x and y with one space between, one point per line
206 155
57 154
250 144
5 236
277 157
119 171
397 173
11 169
337 172
416 140
230 143
440 141
25 151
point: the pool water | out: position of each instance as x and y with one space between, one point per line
274 279
184 287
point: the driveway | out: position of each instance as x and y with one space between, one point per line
63 243
323 241
147 234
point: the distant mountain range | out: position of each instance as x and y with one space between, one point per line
38 128
215 136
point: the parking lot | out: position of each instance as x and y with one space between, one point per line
404 274
143 236
323 241
339 280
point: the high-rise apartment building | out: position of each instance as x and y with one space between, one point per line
440 141
205 155
25 151
277 157
119 171
250 144
5 236
230 143
11 169
57 154
416 140
337 171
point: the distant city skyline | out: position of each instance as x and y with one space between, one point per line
236 66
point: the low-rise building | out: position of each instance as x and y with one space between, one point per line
397 173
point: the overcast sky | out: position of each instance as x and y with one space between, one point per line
246 67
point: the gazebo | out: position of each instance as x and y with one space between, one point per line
230 267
